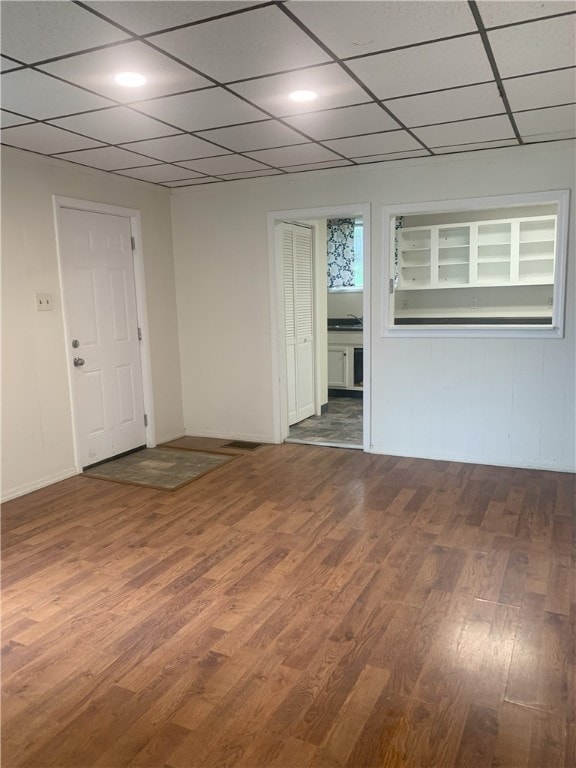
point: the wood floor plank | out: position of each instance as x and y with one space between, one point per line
478 739
489 684
348 724
379 736
482 574
301 606
540 660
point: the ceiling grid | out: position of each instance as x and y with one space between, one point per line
394 80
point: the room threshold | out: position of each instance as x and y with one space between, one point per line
324 444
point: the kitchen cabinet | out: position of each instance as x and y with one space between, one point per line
337 365
345 360
517 251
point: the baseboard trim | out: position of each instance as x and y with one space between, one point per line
483 461
22 490
345 393
167 439
246 436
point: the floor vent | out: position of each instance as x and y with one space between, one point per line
242 445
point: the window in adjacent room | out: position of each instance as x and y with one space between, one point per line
345 254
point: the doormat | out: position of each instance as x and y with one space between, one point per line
164 469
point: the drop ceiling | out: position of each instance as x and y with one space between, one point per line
395 79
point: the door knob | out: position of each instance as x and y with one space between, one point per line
78 362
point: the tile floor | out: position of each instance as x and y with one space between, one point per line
341 425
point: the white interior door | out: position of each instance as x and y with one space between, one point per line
298 303
102 332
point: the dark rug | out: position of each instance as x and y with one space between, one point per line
164 469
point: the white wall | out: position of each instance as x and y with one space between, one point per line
37 446
501 401
342 303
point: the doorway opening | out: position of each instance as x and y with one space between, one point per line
340 334
338 426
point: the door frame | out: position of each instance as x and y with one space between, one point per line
277 319
135 217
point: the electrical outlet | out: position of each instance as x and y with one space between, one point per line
474 304
44 302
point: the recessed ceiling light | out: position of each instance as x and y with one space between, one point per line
303 95
130 79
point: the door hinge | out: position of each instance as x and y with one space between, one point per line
145 420
133 242
139 334
391 285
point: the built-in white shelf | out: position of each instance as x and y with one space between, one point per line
519 251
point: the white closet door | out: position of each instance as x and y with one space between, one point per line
290 319
304 322
298 294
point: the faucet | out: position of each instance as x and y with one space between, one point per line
358 319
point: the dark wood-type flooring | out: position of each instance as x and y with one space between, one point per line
301 606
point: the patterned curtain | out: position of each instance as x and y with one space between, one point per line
340 253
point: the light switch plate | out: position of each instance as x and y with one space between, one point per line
44 302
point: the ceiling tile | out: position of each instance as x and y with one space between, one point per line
253 174
457 104
8 64
9 120
216 166
334 88
181 129
191 182
263 135
545 90
383 25
43 97
550 123
256 43
374 144
453 148
303 153
116 125
534 47
143 16
317 166
96 71
107 158
35 31
159 173
496 12
201 110
45 139
467 131
425 68
183 147
392 156
346 121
